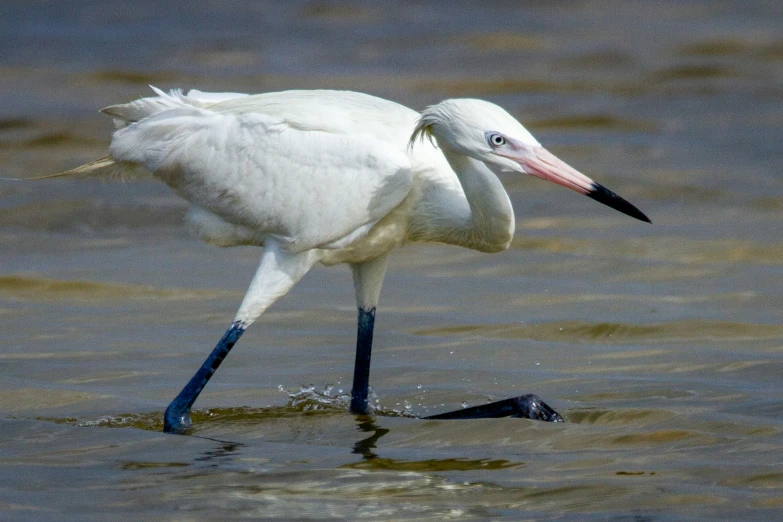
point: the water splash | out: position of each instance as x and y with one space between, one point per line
329 398
308 398
152 421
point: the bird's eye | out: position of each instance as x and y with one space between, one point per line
496 140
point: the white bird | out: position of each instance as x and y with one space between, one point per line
331 177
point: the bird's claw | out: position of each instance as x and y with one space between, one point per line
532 407
525 406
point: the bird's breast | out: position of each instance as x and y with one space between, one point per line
388 233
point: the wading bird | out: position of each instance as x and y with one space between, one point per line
334 177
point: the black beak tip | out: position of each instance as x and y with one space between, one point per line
610 199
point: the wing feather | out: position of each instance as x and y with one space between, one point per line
307 187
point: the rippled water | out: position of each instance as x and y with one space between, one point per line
661 345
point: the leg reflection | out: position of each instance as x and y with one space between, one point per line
364 447
224 451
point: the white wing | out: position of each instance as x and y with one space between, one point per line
312 173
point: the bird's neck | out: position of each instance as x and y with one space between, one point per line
490 226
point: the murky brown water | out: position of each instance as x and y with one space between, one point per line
662 345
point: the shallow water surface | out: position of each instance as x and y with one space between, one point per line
662 345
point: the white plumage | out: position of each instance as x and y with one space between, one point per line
331 177
308 169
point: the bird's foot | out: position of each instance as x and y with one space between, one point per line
532 407
525 406
360 408
176 419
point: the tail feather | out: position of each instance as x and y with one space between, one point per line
104 168
126 113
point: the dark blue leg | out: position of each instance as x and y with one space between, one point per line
177 416
525 406
361 370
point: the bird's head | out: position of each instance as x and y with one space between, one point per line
485 132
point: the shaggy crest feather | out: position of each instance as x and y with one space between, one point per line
432 116
462 122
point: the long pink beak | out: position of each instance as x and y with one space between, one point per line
539 162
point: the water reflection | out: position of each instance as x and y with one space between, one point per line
223 452
663 345
365 446
434 465
371 460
